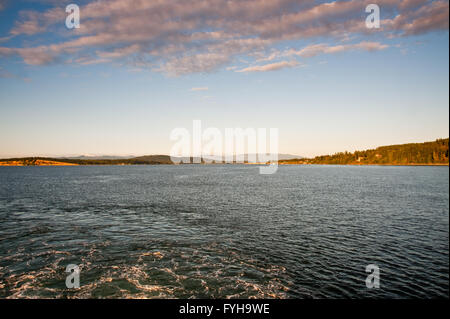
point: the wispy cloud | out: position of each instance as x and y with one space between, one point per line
8 75
316 49
270 67
192 36
200 89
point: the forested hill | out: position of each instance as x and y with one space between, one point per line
44 161
428 153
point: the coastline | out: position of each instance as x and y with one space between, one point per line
37 163
52 163
369 164
433 153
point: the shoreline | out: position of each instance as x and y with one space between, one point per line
281 164
430 164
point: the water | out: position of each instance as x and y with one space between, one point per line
224 231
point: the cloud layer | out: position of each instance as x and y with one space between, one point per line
180 37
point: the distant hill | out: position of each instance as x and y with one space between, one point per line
428 153
151 159
96 157
44 161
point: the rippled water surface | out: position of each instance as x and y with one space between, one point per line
224 231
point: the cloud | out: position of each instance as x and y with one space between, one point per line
197 36
5 74
88 60
6 51
202 62
120 52
270 67
32 22
200 89
427 18
316 49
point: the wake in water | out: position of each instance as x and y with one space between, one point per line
223 231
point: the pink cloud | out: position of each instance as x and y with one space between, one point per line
182 37
270 67
316 49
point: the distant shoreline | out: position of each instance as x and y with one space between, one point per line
48 164
435 153
430 164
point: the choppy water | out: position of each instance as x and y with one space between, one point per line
224 231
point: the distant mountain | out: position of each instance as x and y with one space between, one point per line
428 153
97 157
241 158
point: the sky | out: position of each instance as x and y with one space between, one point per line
137 69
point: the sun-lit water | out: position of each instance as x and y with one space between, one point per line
224 231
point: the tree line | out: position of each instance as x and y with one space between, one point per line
435 152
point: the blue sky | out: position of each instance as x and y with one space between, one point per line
326 82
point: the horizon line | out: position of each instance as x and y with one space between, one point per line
200 156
